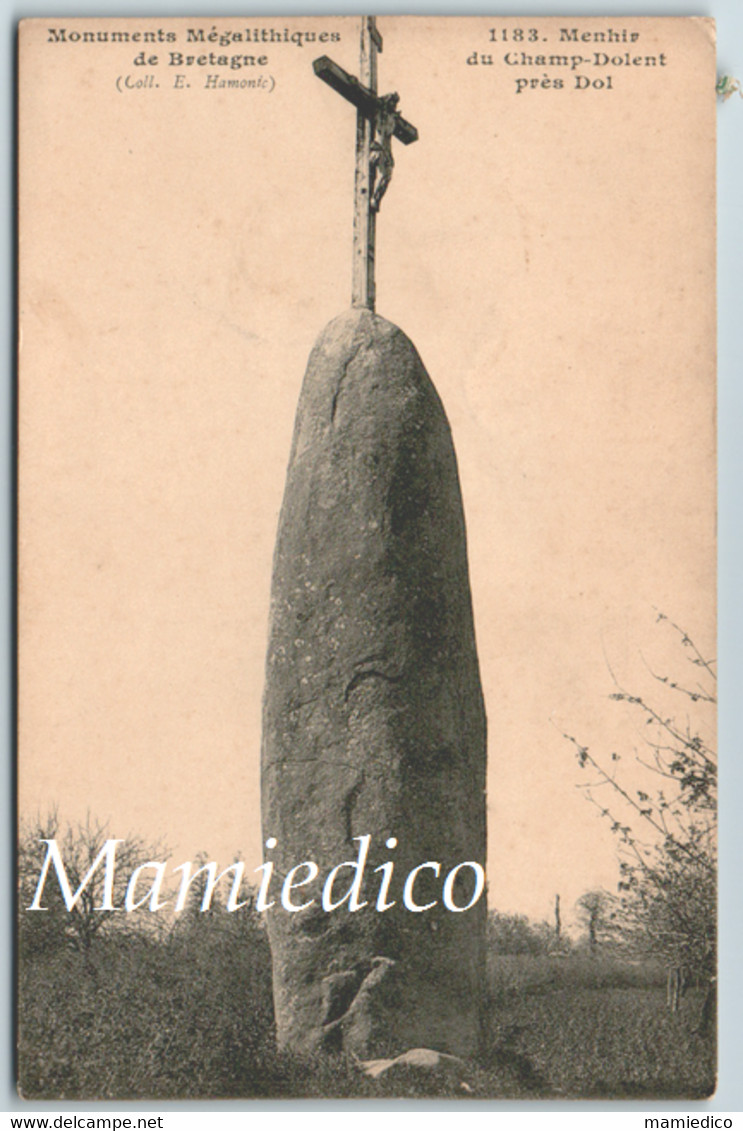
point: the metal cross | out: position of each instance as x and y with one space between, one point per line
377 122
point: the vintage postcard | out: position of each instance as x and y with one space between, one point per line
367 558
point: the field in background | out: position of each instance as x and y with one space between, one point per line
190 1015
595 1026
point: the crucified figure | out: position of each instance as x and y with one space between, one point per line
381 162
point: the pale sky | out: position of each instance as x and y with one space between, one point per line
550 254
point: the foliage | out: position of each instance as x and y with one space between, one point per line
609 1043
579 970
147 1016
667 830
187 1013
516 934
191 1017
120 1004
598 912
581 1025
79 846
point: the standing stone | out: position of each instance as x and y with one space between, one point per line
373 714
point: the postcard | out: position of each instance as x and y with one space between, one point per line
367 557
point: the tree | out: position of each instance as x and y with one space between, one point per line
517 934
79 846
207 906
597 911
667 830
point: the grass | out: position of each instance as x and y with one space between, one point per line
192 1017
580 1027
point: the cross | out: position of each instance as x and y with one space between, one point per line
377 122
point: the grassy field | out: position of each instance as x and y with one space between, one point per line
579 1026
191 1017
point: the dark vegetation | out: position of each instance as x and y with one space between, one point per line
661 805
111 1007
186 1012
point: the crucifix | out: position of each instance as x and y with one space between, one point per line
377 122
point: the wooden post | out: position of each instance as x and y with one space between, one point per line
364 220
370 109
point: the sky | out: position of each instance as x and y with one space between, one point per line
551 255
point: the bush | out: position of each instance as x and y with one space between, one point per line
516 934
